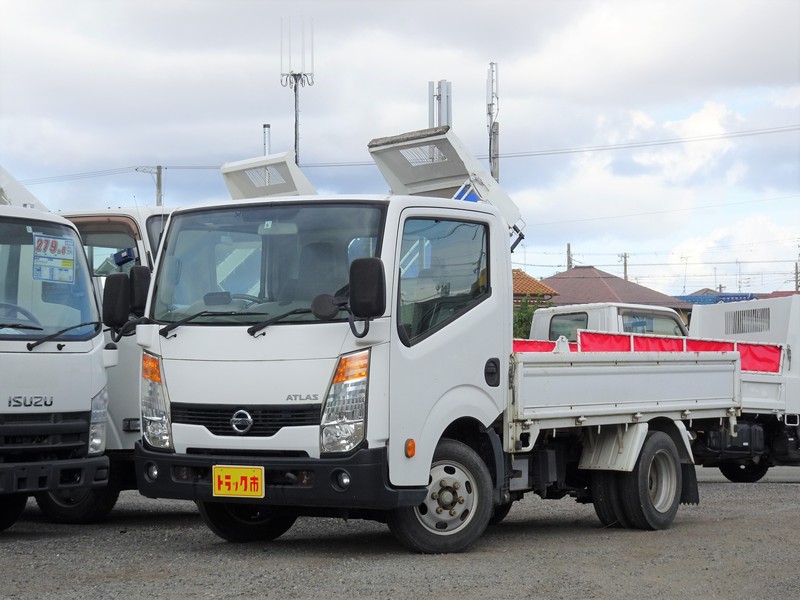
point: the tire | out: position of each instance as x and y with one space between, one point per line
651 492
242 523
500 512
607 499
458 506
749 473
79 505
11 507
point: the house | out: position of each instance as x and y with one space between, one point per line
526 286
580 285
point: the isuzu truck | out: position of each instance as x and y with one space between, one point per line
53 360
352 356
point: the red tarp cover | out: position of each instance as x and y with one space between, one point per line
590 341
760 358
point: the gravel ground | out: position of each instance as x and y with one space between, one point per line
742 541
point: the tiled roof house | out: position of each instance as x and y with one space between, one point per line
580 285
527 286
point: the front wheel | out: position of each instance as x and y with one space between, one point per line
80 505
243 523
749 473
651 492
457 508
11 508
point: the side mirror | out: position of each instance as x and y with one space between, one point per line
140 284
367 288
116 300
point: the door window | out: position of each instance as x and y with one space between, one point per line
443 274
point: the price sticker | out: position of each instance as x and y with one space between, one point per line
53 259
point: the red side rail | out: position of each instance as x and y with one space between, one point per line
755 357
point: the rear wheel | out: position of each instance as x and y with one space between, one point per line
245 522
80 505
651 492
11 508
457 508
607 500
749 473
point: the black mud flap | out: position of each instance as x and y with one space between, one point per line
690 494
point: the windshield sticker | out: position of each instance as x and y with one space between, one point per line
53 259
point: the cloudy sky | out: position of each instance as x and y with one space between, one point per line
667 131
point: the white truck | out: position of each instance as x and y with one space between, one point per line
115 240
53 361
352 356
552 322
768 430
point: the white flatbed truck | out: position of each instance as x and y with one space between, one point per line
352 356
769 429
763 331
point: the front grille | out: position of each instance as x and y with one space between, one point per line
35 437
267 420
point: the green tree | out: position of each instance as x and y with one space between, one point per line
524 315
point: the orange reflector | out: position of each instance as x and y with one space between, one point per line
411 448
353 366
151 370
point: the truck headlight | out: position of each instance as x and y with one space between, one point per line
342 425
156 428
97 424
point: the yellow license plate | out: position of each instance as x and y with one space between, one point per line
238 482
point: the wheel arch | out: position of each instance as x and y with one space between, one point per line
680 437
486 442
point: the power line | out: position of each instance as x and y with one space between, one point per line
664 142
665 211
529 153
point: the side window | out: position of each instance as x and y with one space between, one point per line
443 274
109 251
567 325
648 323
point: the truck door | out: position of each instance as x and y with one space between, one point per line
449 358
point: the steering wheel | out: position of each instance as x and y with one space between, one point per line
22 311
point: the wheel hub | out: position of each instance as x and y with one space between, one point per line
450 501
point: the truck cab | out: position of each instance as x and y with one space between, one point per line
552 322
53 360
116 240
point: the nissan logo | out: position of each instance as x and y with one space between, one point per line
241 421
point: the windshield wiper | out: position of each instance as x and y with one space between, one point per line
164 331
57 334
264 324
20 326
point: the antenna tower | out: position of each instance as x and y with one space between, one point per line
492 108
294 80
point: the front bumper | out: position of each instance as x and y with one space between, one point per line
51 476
289 481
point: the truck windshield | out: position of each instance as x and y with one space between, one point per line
45 286
242 265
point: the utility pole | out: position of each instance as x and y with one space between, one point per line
159 181
624 258
294 80
569 257
159 187
492 108
267 139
